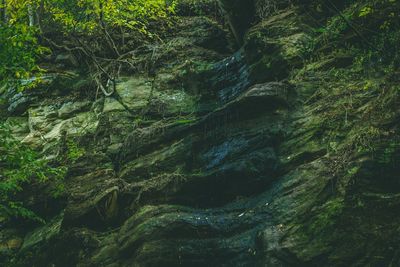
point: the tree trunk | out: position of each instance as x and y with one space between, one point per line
31 15
3 11
39 15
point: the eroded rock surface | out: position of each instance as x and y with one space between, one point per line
212 163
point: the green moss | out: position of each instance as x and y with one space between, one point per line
187 121
197 7
74 152
269 68
327 216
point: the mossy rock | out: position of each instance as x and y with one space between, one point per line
276 45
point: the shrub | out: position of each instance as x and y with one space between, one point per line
20 167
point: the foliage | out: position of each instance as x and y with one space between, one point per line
74 152
85 15
105 33
355 61
370 26
20 167
19 51
95 30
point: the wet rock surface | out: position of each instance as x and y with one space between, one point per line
225 168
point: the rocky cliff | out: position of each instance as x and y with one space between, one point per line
259 155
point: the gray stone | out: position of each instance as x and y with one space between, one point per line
70 108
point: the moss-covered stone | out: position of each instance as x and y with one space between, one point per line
215 161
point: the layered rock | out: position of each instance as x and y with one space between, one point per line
222 159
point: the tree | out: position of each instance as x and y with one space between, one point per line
107 21
86 24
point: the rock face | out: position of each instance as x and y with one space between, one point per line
212 163
240 14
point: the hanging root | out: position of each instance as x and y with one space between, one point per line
104 89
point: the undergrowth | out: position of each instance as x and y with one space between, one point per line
20 169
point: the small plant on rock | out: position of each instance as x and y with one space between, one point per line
20 168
